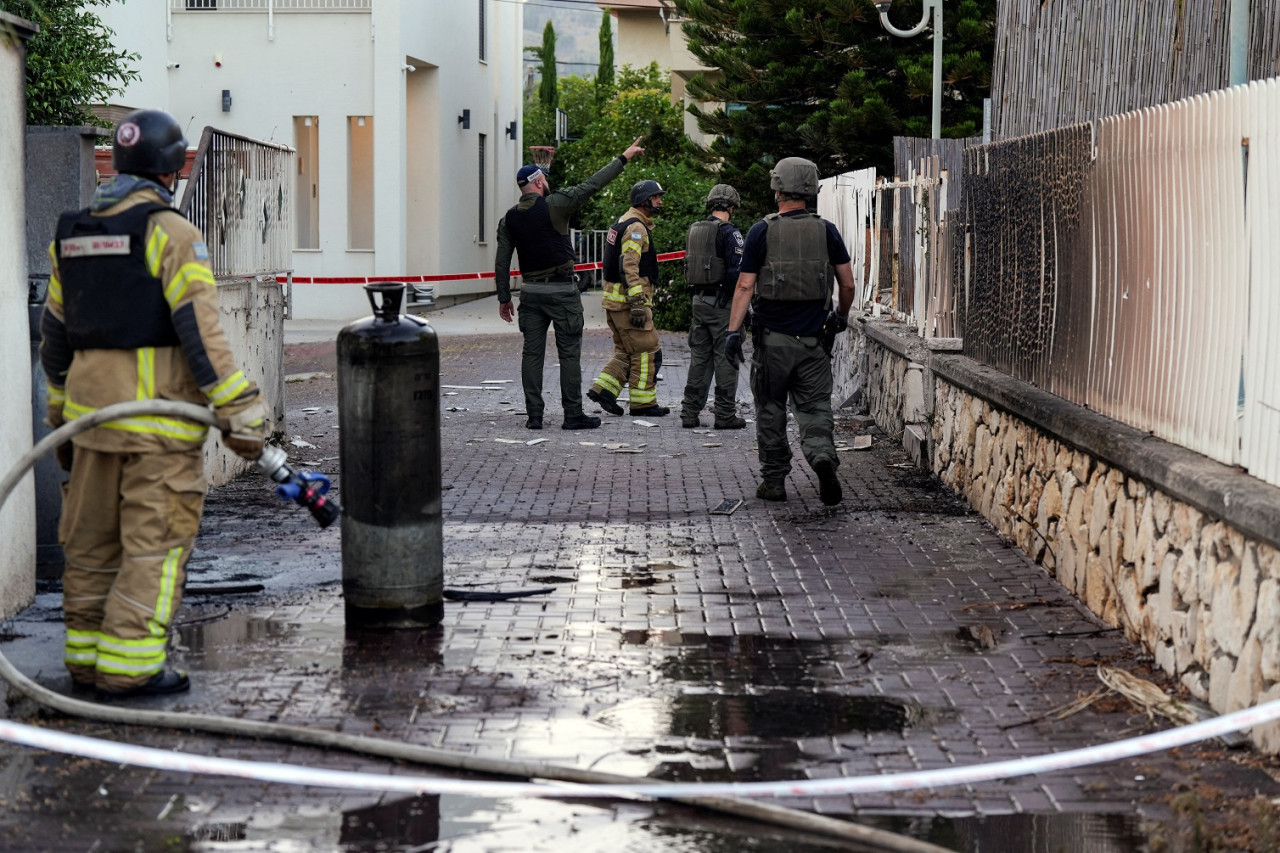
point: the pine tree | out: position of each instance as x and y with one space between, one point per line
604 71
549 92
821 79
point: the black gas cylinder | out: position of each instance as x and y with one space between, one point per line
389 420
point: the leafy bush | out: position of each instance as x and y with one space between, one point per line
640 106
71 62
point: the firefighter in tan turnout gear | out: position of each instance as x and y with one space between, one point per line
132 314
630 274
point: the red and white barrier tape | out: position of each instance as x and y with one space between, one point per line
422 279
293 774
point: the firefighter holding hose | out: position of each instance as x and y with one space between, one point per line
132 314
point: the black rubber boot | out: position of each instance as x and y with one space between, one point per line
828 484
606 401
160 684
767 491
580 422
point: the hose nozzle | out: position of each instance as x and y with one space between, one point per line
304 487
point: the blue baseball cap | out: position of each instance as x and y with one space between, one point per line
527 174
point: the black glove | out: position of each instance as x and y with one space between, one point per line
65 453
832 326
733 349
637 318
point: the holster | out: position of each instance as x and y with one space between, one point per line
724 296
830 328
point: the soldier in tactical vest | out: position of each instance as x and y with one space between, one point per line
788 265
713 253
630 274
132 314
537 228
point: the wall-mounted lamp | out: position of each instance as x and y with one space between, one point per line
226 100
409 68
465 119
511 130
360 121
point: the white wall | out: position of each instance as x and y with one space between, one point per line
18 516
339 64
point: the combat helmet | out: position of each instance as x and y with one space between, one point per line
723 196
645 190
795 176
148 142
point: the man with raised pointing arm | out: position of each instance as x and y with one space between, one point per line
537 228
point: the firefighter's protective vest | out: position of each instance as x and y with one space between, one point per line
612 261
796 265
702 266
110 299
539 244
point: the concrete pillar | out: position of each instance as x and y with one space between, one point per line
17 518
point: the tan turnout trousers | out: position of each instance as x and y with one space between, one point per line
128 523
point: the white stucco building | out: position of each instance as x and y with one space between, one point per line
649 31
405 115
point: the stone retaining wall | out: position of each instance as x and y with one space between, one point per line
1177 550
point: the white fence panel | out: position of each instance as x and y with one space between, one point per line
1260 431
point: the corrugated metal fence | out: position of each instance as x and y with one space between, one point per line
240 195
1069 61
1122 265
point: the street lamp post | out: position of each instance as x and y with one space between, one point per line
882 6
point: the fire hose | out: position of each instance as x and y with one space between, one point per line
846 831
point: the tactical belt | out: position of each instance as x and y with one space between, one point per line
711 290
549 285
767 331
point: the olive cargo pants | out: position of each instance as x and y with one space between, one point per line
559 307
707 331
796 368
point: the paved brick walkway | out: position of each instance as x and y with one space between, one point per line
784 641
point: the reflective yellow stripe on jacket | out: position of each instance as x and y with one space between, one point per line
613 297
228 389
167 427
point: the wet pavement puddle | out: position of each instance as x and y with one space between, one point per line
473 825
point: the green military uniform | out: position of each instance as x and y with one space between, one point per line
713 254
537 228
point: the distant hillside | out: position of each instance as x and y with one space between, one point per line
577 27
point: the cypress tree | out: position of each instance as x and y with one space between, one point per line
549 91
604 72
